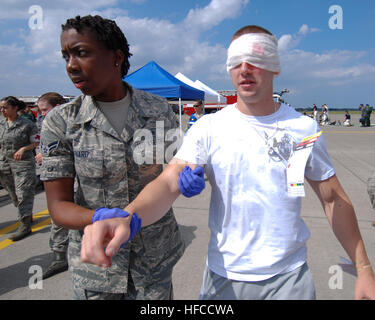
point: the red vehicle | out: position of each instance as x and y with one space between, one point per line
208 108
230 95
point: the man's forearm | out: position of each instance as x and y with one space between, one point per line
342 218
157 197
345 227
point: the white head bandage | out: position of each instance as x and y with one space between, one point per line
257 49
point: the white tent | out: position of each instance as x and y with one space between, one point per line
210 95
186 80
206 88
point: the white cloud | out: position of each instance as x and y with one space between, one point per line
332 64
291 41
32 62
325 66
311 75
304 29
175 46
170 44
214 13
350 73
285 42
19 9
11 59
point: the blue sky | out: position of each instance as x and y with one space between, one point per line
319 64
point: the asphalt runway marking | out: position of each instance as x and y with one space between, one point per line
7 242
16 225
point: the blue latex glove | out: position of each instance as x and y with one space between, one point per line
191 182
106 213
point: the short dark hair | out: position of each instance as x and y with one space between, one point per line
250 29
53 98
14 102
199 102
106 31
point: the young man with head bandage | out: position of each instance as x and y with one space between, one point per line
256 155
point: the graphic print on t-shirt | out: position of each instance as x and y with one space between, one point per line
281 149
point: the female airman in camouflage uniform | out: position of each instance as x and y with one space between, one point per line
92 139
18 137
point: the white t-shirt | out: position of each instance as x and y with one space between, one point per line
256 228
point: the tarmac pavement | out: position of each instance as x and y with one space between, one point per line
353 154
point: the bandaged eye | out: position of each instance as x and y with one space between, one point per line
257 49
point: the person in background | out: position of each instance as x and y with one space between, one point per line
2 102
46 103
325 109
18 139
324 118
362 108
59 236
26 112
35 111
93 141
324 115
198 112
315 113
367 121
347 119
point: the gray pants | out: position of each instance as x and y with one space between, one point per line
295 285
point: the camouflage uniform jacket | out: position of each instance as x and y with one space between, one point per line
12 138
79 142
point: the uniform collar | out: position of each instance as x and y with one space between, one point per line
90 112
14 124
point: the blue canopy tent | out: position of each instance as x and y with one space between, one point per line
154 79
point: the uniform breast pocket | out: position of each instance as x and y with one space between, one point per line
89 163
